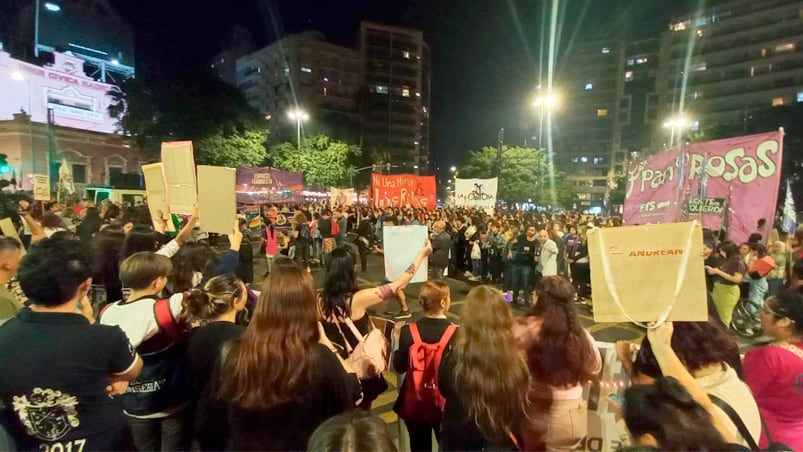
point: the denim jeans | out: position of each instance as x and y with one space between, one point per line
476 267
523 280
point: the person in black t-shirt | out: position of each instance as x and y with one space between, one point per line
435 299
523 253
56 388
217 304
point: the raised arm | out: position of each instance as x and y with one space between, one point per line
37 231
671 366
186 231
366 298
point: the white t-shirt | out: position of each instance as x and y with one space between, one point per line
136 318
727 386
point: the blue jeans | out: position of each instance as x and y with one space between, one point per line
756 293
476 267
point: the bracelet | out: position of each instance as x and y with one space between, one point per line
385 292
411 270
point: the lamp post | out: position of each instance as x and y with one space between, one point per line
676 125
50 6
546 102
298 115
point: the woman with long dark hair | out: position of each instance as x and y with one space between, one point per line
561 356
730 274
484 378
342 302
89 225
284 377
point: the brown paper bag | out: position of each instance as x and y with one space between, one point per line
648 273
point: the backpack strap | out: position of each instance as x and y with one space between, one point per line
165 320
447 335
416 335
737 421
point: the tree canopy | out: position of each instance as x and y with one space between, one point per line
524 175
237 149
190 106
323 161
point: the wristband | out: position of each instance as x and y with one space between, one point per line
411 270
385 292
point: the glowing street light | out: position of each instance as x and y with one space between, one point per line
298 115
52 7
676 124
18 76
453 169
547 101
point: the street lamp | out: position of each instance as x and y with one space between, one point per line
453 169
676 124
545 102
298 115
50 6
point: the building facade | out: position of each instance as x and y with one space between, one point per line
395 100
638 113
721 64
95 158
586 124
300 71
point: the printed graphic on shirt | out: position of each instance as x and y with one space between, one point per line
48 414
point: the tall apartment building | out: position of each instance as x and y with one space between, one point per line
301 71
638 107
396 103
588 144
745 55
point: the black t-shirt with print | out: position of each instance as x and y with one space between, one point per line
54 370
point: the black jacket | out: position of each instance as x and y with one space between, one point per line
441 244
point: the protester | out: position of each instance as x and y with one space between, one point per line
711 355
284 378
418 400
730 274
215 306
157 405
777 277
484 379
548 257
561 356
10 256
523 252
343 305
58 386
356 431
775 372
441 244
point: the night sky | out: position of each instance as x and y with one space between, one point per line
484 53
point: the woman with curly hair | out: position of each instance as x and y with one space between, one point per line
711 355
483 378
561 355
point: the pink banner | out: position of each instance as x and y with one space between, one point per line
404 190
732 182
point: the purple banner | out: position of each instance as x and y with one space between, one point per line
269 186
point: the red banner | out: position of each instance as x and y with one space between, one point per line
403 190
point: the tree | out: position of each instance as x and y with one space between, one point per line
524 175
324 162
237 149
192 105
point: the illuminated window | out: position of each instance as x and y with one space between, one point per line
406 54
788 47
417 94
680 26
381 89
628 76
601 112
405 92
325 92
641 60
763 53
777 101
606 50
699 67
306 69
584 159
631 62
800 96
589 86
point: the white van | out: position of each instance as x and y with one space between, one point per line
100 193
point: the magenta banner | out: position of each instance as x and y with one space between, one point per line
269 185
732 182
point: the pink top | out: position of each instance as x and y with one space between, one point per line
271 241
775 376
526 331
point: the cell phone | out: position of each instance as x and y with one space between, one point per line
616 398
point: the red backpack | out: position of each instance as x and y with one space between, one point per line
423 401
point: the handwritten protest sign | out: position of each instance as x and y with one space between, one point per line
179 175
157 194
403 190
402 245
647 273
41 187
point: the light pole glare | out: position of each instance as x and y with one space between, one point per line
298 115
52 7
453 169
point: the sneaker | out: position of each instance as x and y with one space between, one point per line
473 278
467 273
402 315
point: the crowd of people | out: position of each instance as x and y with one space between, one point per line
120 335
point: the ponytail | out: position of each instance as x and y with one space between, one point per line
217 297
